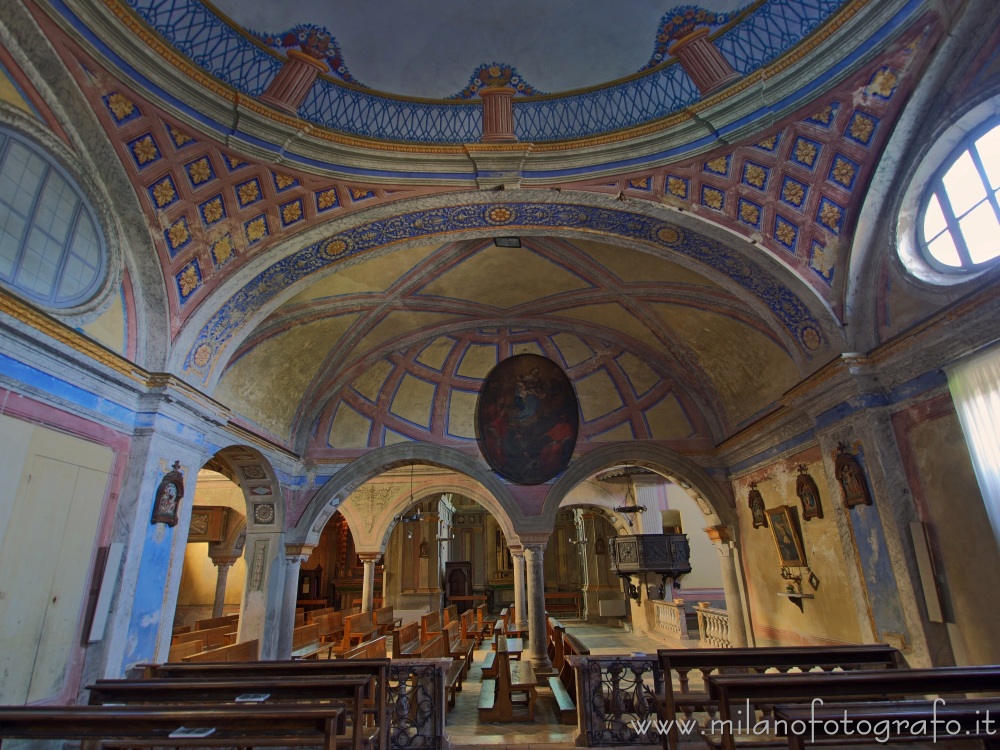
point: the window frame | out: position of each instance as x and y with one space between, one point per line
935 187
83 211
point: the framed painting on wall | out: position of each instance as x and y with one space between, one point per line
786 536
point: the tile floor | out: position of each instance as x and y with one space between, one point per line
465 731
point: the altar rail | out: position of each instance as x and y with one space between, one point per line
713 627
670 620
615 695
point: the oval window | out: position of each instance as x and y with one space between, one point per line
960 223
51 250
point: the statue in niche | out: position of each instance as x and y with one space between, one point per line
600 546
424 548
851 478
169 494
808 492
756 501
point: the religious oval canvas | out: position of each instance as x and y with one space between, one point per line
527 419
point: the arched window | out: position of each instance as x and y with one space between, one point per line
51 249
960 221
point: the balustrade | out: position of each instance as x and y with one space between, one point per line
713 627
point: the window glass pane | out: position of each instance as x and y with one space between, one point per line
963 185
38 266
944 251
73 279
934 222
20 177
56 207
11 235
84 244
982 233
988 147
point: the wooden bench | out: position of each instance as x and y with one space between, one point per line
375 670
348 691
892 722
563 683
734 692
430 625
506 625
152 725
358 628
384 619
564 602
406 641
458 647
211 638
226 621
469 629
331 626
371 649
314 614
450 614
307 644
681 662
245 651
437 648
497 696
180 651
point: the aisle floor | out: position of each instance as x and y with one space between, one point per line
465 730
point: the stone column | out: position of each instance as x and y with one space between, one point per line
702 60
498 114
722 538
368 581
517 555
538 647
223 564
295 555
288 89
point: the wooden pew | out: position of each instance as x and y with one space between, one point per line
514 678
708 660
891 722
376 670
732 692
406 641
245 651
358 628
458 647
470 631
437 648
226 621
430 625
564 602
331 626
451 614
313 614
307 644
348 691
181 651
384 619
372 649
485 621
563 683
151 725
211 638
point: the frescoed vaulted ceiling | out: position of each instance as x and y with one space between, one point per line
331 269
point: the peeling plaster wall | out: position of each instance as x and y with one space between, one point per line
830 617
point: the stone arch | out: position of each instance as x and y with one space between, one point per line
251 470
801 317
339 487
665 462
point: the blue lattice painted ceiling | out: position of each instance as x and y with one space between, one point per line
430 49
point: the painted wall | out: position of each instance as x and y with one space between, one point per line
949 501
831 617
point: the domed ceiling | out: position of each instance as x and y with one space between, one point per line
366 358
429 49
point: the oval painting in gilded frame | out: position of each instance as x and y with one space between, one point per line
527 419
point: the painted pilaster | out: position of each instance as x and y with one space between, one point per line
289 87
702 60
498 114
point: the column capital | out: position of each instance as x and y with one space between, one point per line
719 534
298 552
224 561
369 556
